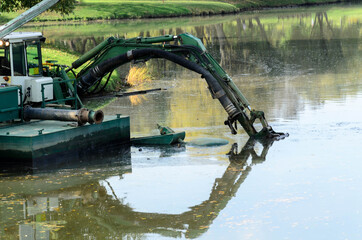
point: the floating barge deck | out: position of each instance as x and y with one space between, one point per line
46 138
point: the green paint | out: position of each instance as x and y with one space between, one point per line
9 109
220 84
23 141
166 139
92 53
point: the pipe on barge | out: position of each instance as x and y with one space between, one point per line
82 116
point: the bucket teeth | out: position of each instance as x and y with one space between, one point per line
269 133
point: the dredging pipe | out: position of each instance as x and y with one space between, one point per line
82 116
96 73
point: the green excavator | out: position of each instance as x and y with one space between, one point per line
184 50
21 64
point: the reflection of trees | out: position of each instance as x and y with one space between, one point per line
87 208
289 46
325 41
247 45
278 49
284 54
78 45
224 46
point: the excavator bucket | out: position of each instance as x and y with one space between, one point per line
269 133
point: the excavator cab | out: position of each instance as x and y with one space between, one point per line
21 64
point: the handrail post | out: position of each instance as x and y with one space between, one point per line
21 103
74 98
42 96
75 94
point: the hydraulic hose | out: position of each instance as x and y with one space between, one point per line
96 73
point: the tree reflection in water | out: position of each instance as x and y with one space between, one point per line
250 43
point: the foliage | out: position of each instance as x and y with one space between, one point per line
89 10
245 4
63 6
138 76
126 9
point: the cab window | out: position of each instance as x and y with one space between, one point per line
4 62
19 59
33 55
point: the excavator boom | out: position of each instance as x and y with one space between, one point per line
187 51
26 17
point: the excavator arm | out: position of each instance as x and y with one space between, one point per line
185 50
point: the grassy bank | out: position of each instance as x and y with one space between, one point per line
67 58
125 9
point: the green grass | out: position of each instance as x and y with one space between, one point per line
62 57
66 58
93 10
124 9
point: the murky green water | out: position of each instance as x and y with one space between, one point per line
301 66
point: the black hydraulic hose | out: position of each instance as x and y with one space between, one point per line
101 69
75 75
105 84
96 73
95 88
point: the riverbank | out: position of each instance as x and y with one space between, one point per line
87 10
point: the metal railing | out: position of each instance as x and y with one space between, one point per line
70 98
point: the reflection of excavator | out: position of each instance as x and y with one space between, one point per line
24 53
79 203
197 220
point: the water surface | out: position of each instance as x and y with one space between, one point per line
302 67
